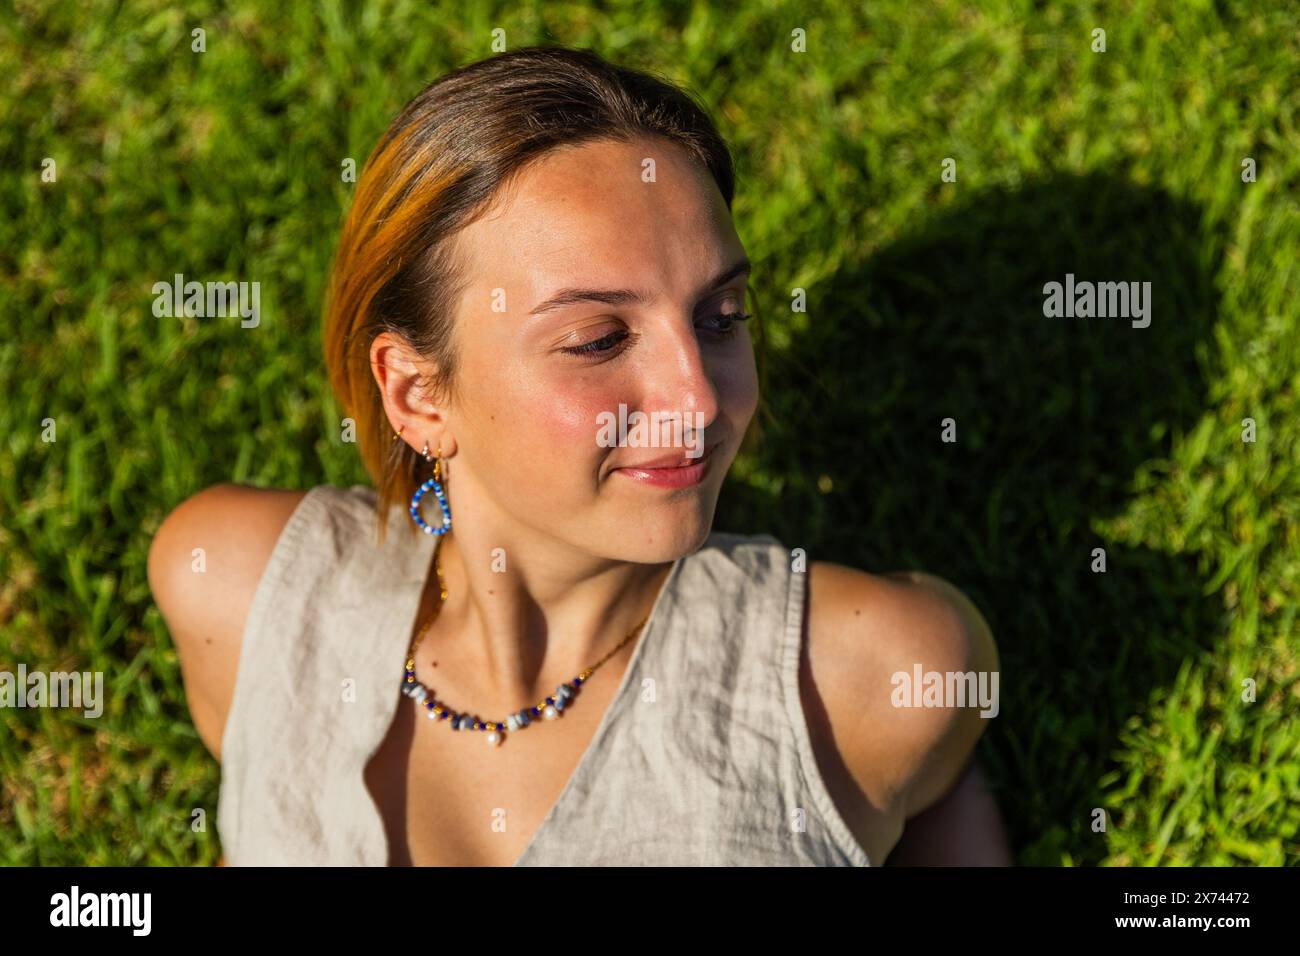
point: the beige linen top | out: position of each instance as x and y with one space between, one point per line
702 758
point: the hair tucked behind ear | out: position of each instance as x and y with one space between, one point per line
437 168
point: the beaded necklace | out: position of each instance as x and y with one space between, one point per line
549 708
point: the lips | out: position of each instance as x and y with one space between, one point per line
671 460
671 470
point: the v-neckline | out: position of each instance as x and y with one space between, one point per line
406 611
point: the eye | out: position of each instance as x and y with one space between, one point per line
729 322
600 346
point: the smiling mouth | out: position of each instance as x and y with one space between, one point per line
670 471
671 463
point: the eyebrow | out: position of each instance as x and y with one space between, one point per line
631 296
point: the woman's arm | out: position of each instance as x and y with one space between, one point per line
963 829
914 793
205 607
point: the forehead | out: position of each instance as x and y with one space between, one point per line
601 211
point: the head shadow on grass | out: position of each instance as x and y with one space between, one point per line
1053 418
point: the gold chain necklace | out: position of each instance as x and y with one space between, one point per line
549 707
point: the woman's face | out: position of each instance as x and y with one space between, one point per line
535 426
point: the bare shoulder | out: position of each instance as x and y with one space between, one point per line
891 762
204 595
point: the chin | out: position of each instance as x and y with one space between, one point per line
655 540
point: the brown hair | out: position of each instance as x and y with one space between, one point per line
436 169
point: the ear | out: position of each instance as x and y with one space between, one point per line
403 376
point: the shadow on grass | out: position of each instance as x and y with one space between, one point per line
1053 418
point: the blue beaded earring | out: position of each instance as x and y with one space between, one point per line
434 485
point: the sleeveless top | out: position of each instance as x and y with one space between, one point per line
703 756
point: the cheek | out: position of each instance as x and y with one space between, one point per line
551 419
736 380
567 416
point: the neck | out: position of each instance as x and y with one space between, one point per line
525 612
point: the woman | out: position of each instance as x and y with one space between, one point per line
540 242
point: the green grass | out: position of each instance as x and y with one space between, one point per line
1121 690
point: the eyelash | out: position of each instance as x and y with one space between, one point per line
590 347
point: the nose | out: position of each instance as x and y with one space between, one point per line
678 379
